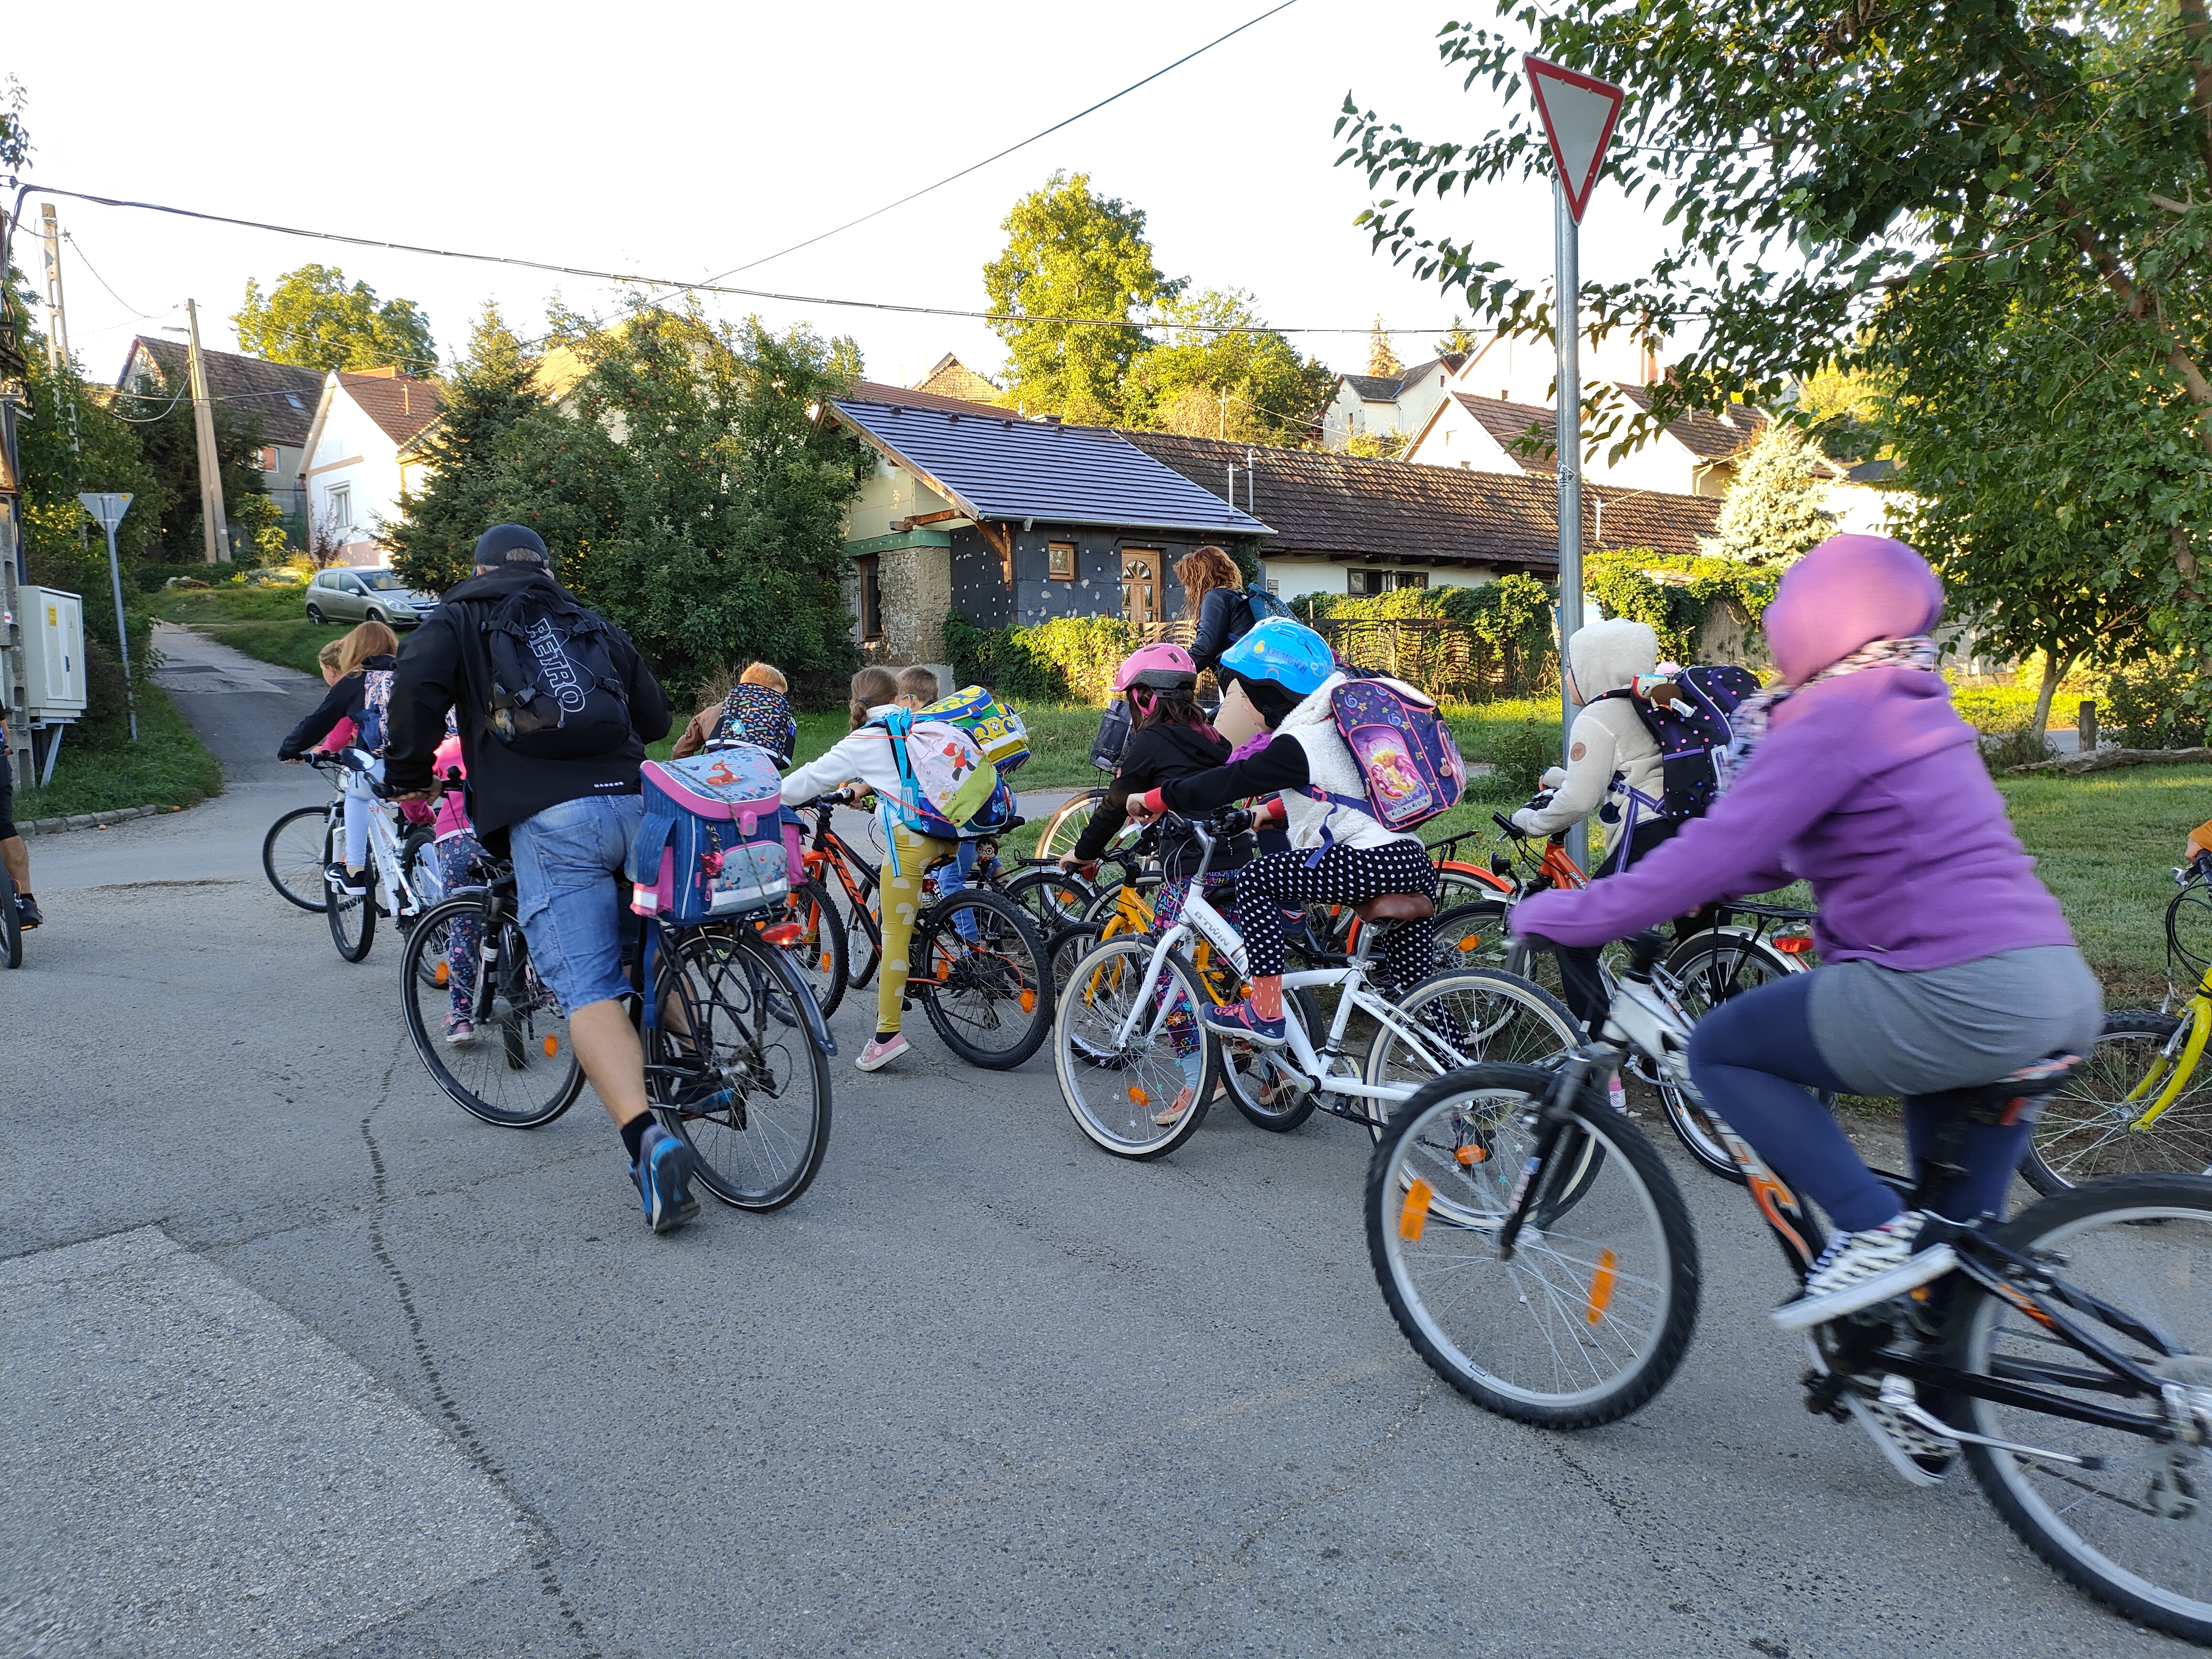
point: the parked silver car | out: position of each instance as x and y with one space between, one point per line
350 594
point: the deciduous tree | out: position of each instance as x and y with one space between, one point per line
1234 379
312 318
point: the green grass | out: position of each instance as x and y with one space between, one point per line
291 644
2106 844
169 766
268 623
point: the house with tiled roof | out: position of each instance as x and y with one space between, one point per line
972 508
278 398
1488 434
1341 524
363 451
950 378
1393 406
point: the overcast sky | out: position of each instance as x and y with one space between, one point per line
679 139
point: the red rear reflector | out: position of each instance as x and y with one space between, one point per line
782 933
1796 944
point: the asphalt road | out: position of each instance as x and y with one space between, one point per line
295 1356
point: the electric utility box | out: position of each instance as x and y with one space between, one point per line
53 654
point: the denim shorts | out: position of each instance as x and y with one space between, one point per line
565 862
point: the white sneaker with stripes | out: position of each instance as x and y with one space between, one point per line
1859 1269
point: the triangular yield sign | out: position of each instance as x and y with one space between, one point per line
1578 116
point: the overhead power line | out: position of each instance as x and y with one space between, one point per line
640 279
915 195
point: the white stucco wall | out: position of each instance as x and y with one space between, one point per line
352 451
1458 439
1294 577
889 493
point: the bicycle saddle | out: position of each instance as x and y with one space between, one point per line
1396 907
2002 1102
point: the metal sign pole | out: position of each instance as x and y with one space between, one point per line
109 509
1567 444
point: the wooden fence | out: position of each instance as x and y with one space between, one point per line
1443 657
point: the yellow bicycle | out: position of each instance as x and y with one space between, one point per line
2140 1105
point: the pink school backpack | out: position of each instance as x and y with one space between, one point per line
1405 753
712 841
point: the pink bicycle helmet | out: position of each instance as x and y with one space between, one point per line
1157 668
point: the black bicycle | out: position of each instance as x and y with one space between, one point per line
737 1052
2068 1357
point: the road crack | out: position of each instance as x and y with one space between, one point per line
456 1424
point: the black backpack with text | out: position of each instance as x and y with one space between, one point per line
557 692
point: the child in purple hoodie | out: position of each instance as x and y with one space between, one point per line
1950 964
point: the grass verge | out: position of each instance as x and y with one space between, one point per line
169 766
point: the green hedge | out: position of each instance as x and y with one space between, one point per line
1067 659
1678 607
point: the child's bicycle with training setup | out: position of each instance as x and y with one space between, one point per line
1138 1067
1537 1253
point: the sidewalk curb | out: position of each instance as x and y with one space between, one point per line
90 820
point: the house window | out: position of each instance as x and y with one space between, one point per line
1361 582
342 506
1060 560
269 458
871 567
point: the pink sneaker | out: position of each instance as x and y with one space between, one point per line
878 1055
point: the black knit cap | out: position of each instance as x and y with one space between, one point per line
511 544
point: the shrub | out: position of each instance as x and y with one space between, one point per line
1067 659
1521 750
153 578
2155 703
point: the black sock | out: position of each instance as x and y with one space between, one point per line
885 1036
632 1134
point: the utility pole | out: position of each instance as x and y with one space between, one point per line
58 349
14 686
216 531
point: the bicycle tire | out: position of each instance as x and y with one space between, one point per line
352 917
1110 1091
967 990
1471 935
2090 1117
864 938
820 954
485 1079
1418 1184
1065 826
1046 896
1267 1086
1714 966
297 873
1500 1016
1066 948
2160 1232
760 1130
11 924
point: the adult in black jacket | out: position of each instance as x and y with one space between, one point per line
1214 588
567 823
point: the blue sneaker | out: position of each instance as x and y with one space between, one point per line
1237 1020
663 1175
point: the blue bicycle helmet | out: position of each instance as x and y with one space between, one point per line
1288 654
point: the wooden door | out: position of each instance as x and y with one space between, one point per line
1140 585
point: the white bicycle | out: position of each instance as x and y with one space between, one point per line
1138 1067
402 874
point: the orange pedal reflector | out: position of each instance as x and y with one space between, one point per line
1469 1155
1472 941
782 933
552 1046
1414 1215
1602 1283
445 972
1028 1001
1138 1096
1796 944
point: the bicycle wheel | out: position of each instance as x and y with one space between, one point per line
820 953
1066 948
1713 967
292 853
1471 935
352 916
1593 1312
1266 1084
2129 1528
1458 887
863 937
1118 1090
518 1069
2091 1128
990 996
735 1074
1053 899
1463 1017
1065 826
11 924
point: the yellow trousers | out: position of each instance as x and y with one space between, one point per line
903 899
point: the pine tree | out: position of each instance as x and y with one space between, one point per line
432 546
1773 514
1459 341
1382 361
